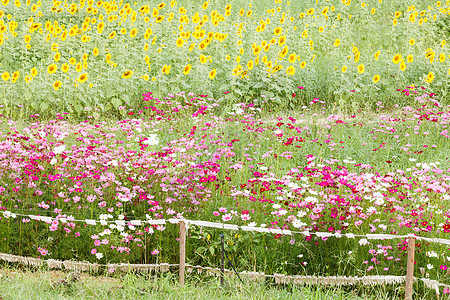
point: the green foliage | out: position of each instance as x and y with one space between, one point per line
316 60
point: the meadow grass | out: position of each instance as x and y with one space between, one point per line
18 283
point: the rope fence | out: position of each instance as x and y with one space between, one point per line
255 276
218 225
250 276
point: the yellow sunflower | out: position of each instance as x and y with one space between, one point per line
15 76
397 58
376 78
65 68
79 67
377 55
33 72
83 77
212 74
187 69
250 64
403 66
57 84
277 31
180 42
292 58
52 69
430 77
127 74
290 71
361 68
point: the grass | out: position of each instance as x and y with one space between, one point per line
42 284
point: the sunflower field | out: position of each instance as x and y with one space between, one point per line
68 56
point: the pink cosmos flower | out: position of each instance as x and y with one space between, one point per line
42 251
226 217
245 217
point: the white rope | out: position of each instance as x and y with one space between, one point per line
226 226
83 266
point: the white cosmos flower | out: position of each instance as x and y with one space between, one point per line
301 214
311 199
363 242
298 223
379 202
152 140
59 149
113 162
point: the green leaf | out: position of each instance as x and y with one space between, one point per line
110 93
43 106
78 108
107 107
212 250
116 102
258 85
27 95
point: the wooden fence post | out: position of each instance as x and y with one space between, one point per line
410 268
182 250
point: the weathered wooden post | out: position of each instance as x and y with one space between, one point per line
410 268
222 261
182 251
